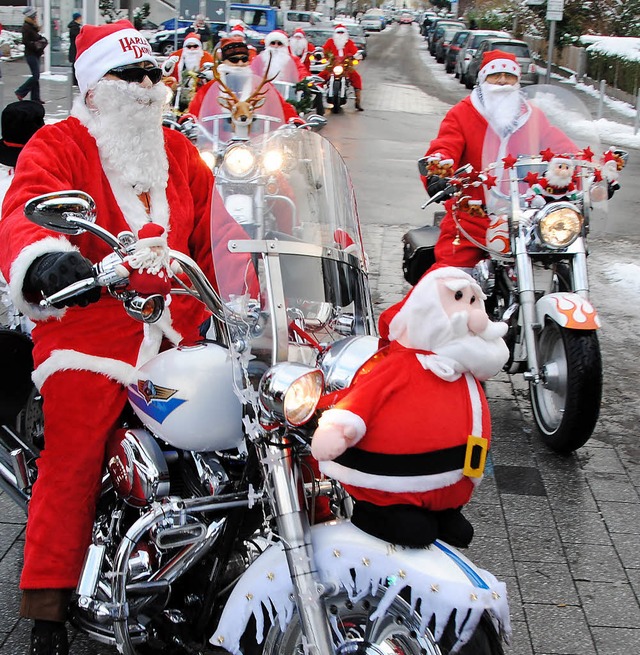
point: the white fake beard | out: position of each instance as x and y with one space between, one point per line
279 60
191 58
502 105
340 40
481 355
127 126
558 180
146 259
298 46
238 78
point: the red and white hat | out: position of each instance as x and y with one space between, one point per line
339 28
299 32
276 35
103 47
193 39
497 61
151 234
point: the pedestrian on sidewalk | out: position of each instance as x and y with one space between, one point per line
34 45
74 29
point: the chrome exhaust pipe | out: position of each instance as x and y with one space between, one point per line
15 477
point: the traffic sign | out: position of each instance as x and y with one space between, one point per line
217 10
555 9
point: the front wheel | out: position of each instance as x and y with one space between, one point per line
335 97
566 403
397 631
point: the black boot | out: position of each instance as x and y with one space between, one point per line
49 638
454 528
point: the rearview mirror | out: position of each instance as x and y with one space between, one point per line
55 211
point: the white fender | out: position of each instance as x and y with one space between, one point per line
568 310
438 575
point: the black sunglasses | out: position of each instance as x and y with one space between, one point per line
236 59
190 47
137 74
276 43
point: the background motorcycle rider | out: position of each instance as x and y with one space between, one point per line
201 28
340 46
495 111
234 56
300 48
237 33
114 148
191 58
280 61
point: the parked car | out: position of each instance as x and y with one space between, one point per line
319 35
451 53
469 46
444 42
405 18
518 48
437 30
373 20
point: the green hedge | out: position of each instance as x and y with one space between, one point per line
617 72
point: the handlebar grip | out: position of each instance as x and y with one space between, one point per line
72 290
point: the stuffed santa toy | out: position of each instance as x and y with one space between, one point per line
556 184
149 268
409 439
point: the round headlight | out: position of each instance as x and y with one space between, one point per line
291 391
272 161
338 70
209 158
560 225
239 161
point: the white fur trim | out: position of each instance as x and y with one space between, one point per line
499 66
344 417
153 334
151 241
408 484
19 270
476 405
72 360
121 48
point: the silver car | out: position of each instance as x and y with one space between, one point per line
518 48
468 49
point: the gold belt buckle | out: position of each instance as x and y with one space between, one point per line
475 456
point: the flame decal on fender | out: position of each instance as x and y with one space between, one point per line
569 310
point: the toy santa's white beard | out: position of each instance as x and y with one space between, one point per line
502 105
298 46
280 59
147 259
191 58
558 179
127 125
340 40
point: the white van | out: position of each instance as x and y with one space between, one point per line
294 18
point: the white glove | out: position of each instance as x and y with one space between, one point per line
168 65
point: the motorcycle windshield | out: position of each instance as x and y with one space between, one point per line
282 71
553 152
216 127
296 276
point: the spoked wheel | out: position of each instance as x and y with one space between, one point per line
397 632
566 404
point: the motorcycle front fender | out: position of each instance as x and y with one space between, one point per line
568 310
345 557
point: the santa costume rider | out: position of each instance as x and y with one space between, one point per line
191 58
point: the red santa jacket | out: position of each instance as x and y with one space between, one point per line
417 426
102 337
349 50
174 74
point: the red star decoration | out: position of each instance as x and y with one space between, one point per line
473 176
597 175
547 155
587 154
609 156
531 178
490 181
509 161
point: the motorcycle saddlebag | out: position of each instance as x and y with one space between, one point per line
418 252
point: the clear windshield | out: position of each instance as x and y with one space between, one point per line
282 72
554 153
216 125
302 277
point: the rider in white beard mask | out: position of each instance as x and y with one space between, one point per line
277 56
298 43
340 38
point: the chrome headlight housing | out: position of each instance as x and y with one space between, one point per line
273 161
559 224
239 162
290 391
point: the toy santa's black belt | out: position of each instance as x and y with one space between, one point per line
470 457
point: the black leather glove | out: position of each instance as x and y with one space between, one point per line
435 184
55 271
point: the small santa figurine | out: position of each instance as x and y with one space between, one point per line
149 267
556 184
409 439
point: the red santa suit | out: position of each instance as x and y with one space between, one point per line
336 54
301 49
71 346
178 62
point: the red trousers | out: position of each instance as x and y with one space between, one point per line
81 409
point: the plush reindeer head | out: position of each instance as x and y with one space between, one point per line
242 110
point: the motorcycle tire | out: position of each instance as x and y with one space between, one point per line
396 632
335 97
566 404
31 421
